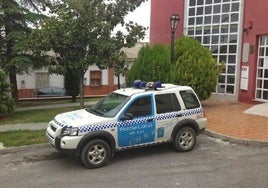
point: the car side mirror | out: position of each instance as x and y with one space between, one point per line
127 116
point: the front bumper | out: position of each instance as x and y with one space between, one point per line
61 142
58 141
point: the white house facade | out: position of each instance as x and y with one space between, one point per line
97 82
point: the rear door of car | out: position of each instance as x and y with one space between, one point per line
168 114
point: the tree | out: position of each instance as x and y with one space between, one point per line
6 102
15 23
152 64
72 81
195 66
121 64
80 32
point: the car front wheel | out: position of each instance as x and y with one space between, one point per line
95 154
185 139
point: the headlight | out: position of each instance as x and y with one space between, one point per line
69 131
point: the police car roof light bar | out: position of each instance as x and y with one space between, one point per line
136 83
157 85
139 84
143 84
154 85
148 86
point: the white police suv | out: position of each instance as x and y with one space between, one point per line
148 113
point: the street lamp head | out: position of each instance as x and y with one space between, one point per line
174 20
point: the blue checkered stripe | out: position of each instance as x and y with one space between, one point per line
98 127
183 113
192 112
167 115
112 125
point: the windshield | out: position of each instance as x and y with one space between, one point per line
109 106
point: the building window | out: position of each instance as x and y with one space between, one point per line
220 22
41 80
95 78
262 70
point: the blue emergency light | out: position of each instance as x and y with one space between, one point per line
136 83
157 85
149 85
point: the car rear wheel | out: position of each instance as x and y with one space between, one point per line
185 139
95 154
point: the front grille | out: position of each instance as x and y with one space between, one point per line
53 128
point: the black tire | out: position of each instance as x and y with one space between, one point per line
95 154
185 139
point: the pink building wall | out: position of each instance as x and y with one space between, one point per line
161 11
255 15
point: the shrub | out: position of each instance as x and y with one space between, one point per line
196 67
152 64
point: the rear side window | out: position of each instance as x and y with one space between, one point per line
166 103
189 99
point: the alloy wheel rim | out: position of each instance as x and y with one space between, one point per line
186 139
96 154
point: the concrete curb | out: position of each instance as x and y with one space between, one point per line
23 148
236 140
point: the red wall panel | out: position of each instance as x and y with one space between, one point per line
255 15
161 11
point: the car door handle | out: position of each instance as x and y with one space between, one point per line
179 115
150 119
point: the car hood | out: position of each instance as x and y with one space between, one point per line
79 118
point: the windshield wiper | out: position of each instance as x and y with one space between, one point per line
96 112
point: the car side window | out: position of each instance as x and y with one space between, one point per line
167 103
58 91
189 99
140 107
46 91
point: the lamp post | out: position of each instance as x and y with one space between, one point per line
174 20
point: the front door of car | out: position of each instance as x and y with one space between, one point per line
137 123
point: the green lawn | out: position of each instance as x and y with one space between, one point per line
34 115
39 102
22 137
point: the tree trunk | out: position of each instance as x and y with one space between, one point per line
14 85
82 90
118 82
12 71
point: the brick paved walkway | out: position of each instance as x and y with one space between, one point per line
227 118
